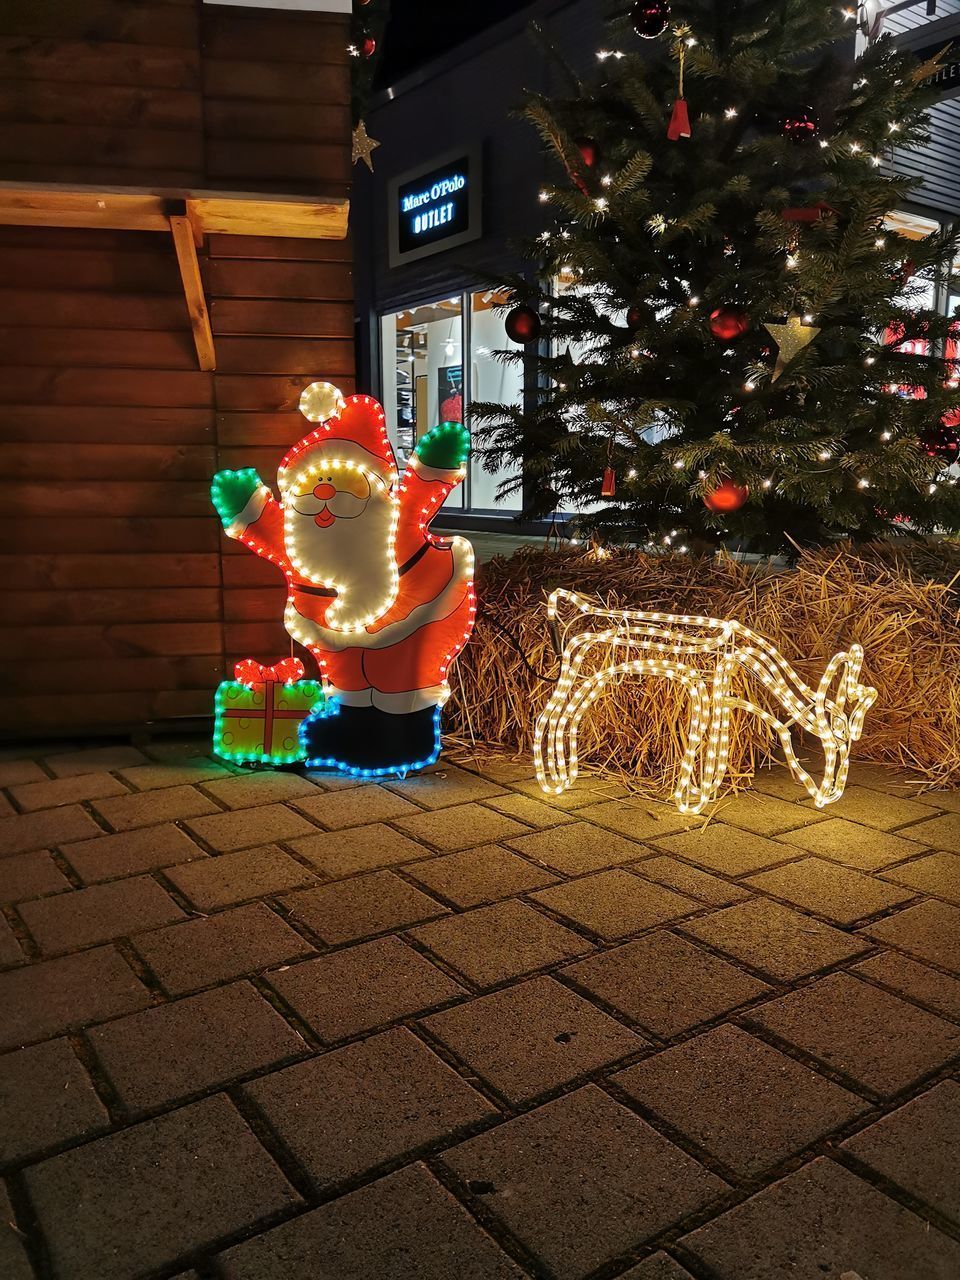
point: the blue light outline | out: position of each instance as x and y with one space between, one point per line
354 771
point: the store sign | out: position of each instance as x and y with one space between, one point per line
435 209
946 78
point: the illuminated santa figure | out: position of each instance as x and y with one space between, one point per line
382 605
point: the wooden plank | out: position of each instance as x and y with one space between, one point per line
266 641
249 571
61 608
38 535
22 718
148 462
286 163
287 355
103 62
126 674
92 269
273 395
168 498
280 247
257 604
98 176
248 317
88 239
325 219
166 639
163 388
241 278
74 571
42 103
283 121
315 39
164 24
46 206
272 81
89 424
97 348
121 146
186 249
56 309
277 430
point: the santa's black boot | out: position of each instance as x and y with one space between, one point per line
369 742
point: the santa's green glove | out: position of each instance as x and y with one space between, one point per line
445 448
231 491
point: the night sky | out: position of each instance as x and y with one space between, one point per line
420 29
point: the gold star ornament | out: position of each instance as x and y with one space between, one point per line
363 146
790 338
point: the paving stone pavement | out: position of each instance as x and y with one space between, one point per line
268 1026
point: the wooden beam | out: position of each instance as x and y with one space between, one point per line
139 209
183 242
255 215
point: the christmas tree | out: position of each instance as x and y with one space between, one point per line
729 331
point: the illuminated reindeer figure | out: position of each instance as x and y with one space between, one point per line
703 654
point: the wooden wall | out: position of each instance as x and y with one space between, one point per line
123 603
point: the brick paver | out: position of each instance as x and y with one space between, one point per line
138 1200
97 914
822 1220
450 1026
130 852
198 953
361 907
583 1180
746 1104
363 987
916 1148
872 1037
475 876
355 1108
46 1099
30 875
161 1055
417 1220
665 984
531 1038
491 944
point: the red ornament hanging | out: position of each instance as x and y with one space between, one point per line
523 324
728 496
679 126
590 151
368 47
943 440
800 124
650 18
809 213
728 323
609 487
634 318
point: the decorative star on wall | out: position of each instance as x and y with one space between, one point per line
363 146
790 338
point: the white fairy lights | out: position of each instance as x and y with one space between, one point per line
704 655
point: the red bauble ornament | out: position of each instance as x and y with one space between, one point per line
650 18
943 440
368 47
634 318
608 488
728 496
523 324
800 124
590 151
727 323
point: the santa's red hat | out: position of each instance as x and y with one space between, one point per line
356 434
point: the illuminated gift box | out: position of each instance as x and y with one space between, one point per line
259 712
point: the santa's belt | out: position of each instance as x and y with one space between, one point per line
415 559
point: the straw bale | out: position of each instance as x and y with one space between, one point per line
900 601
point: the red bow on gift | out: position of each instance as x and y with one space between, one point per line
249 671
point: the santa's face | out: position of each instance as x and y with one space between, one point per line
339 526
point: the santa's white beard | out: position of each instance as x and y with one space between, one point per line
355 556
